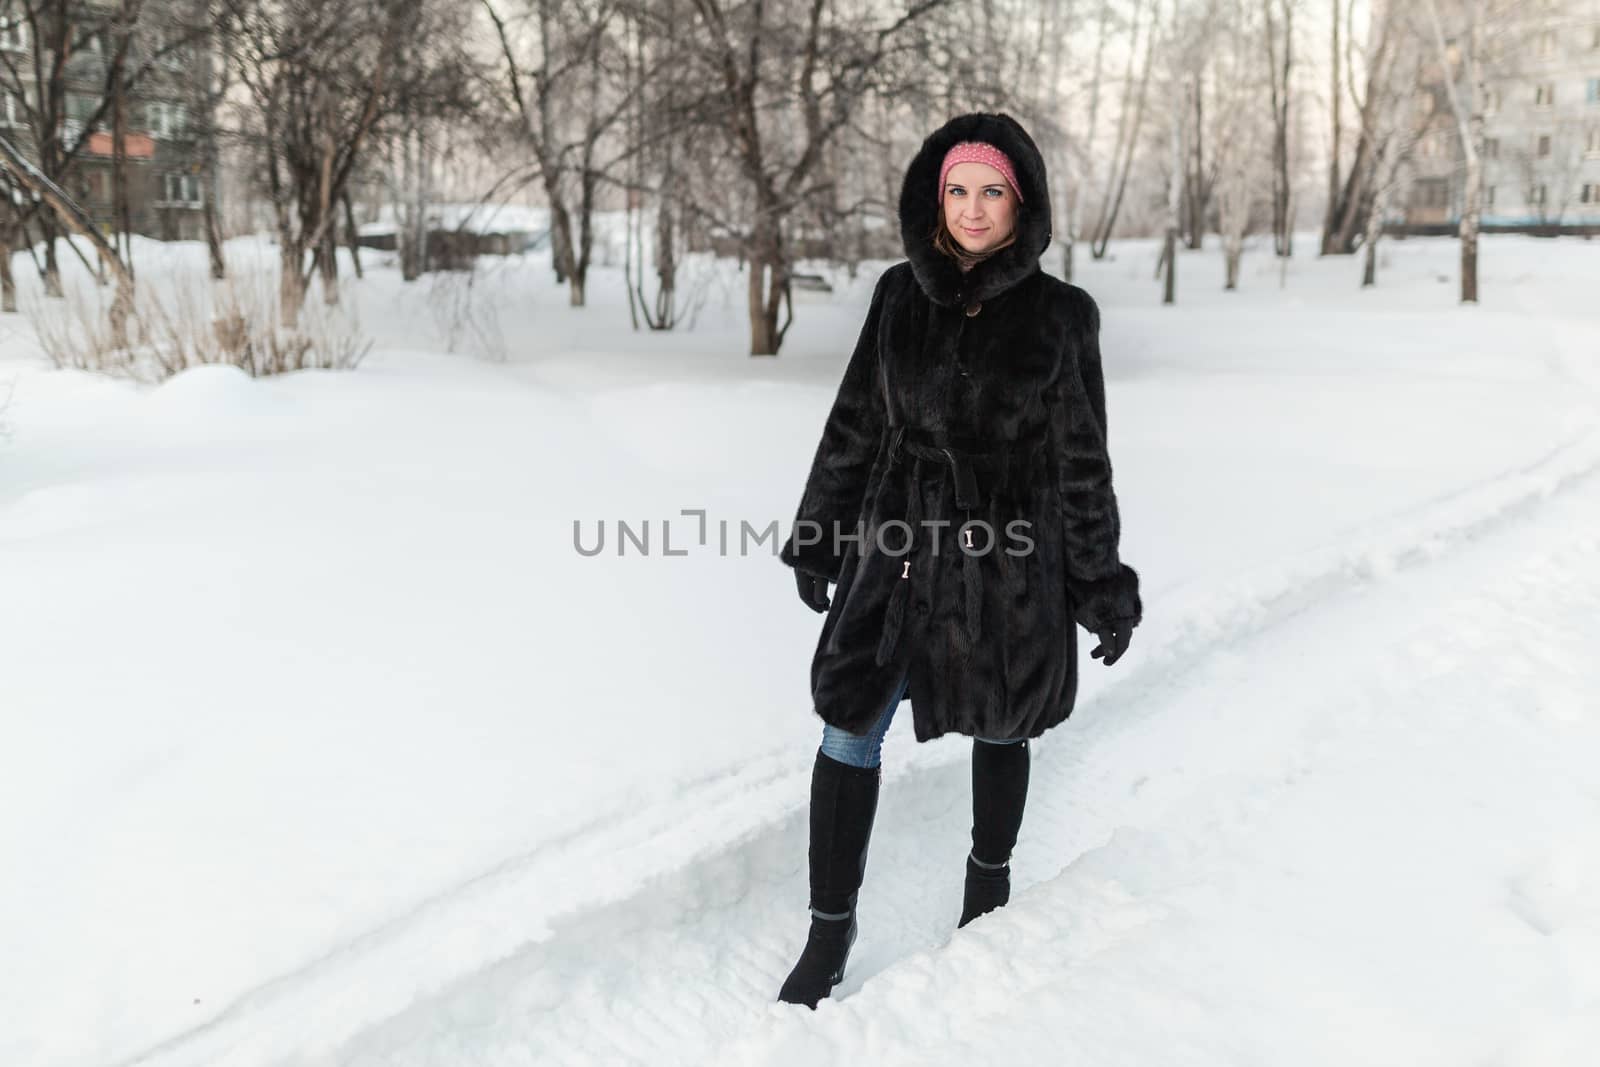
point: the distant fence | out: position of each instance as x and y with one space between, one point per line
455 249
1533 229
871 244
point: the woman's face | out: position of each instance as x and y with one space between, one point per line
979 207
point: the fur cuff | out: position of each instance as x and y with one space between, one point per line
1105 600
812 559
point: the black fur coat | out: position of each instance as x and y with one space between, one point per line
974 400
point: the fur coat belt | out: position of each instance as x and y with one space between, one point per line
996 462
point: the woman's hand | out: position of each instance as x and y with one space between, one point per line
813 590
1114 637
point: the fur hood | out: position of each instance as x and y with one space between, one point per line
939 276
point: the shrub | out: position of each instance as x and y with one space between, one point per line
188 320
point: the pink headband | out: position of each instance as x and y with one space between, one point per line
978 152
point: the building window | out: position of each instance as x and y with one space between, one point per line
1591 91
1547 43
1491 100
13 112
13 34
1589 194
180 188
75 123
166 119
81 108
1591 145
1542 146
1544 95
1536 195
1488 196
1491 148
97 185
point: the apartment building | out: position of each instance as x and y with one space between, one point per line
1541 142
163 157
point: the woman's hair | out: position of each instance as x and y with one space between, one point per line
946 242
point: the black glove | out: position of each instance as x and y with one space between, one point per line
813 590
1114 638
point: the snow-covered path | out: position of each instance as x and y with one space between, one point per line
1240 835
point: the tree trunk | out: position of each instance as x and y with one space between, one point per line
208 214
1336 97
119 157
351 234
8 284
291 290
755 293
1279 76
768 286
328 266
1175 183
1374 232
1197 192
1469 231
560 241
52 269
210 183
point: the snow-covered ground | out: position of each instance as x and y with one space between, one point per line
324 745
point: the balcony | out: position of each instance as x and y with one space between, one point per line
134 145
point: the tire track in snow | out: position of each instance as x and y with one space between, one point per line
519 957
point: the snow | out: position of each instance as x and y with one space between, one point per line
325 746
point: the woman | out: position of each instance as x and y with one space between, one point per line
961 502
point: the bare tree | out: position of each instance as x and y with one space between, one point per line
1278 28
414 139
318 80
1241 132
1388 86
1391 162
655 167
1460 66
1088 170
1130 121
566 102
1386 140
1175 183
812 73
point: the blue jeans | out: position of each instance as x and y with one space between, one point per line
866 750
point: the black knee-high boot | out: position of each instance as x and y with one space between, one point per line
844 800
999 793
